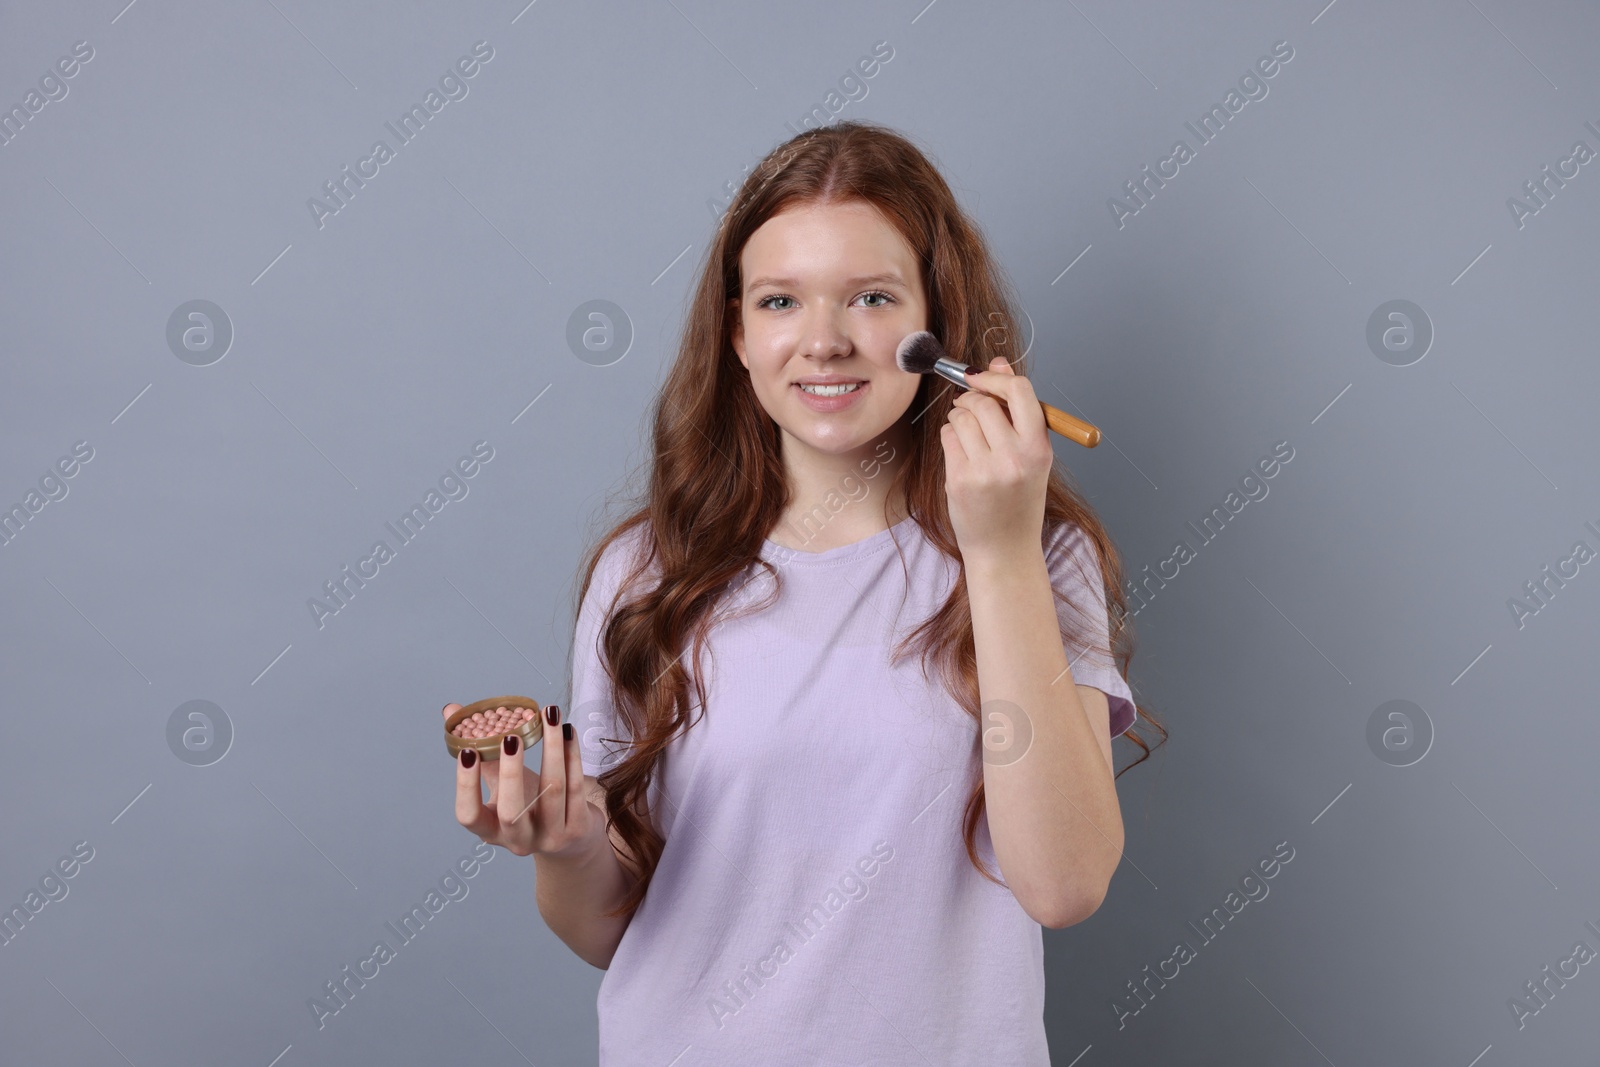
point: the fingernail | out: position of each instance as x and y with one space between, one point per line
510 745
469 756
974 370
552 715
566 731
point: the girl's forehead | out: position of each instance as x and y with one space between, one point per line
828 264
854 225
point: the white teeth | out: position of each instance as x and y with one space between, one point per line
831 390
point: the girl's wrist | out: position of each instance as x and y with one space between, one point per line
1002 562
583 853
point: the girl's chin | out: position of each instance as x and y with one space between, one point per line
837 442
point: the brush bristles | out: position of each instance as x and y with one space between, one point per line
918 352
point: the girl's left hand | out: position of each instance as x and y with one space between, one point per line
997 467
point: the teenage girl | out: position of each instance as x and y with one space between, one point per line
851 654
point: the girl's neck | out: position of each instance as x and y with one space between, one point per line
838 499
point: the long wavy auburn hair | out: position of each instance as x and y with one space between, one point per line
717 484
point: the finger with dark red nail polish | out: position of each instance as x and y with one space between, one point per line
510 744
469 756
552 715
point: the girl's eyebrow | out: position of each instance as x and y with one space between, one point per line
890 278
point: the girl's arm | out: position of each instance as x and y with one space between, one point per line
574 892
1053 813
1052 805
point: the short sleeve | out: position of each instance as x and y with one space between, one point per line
602 734
1075 574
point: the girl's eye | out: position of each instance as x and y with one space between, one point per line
766 302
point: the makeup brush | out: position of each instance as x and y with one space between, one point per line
921 353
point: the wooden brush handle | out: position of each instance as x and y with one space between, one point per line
1069 426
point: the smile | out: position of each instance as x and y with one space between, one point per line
832 390
831 398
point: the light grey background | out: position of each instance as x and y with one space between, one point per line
588 161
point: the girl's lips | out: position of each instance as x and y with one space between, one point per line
831 403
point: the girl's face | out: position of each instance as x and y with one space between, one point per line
829 292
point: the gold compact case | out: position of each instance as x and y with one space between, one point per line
483 725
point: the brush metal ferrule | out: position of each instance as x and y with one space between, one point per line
951 371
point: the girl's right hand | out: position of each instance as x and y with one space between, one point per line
545 813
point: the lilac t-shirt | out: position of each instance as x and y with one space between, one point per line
814 903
